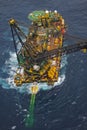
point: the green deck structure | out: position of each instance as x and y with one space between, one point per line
35 14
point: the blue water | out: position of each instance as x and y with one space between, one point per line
62 108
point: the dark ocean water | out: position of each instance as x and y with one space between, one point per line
57 109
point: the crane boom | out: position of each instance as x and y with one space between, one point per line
47 54
64 50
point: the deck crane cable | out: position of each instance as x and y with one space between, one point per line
23 34
28 46
16 25
14 43
22 43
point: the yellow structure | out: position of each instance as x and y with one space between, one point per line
34 89
45 35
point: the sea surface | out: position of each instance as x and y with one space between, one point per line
63 107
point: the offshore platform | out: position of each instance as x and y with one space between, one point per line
39 57
40 54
